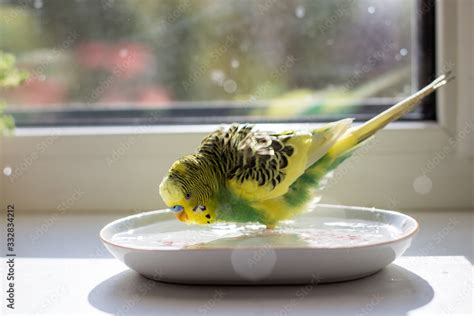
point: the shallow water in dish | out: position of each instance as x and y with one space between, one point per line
313 232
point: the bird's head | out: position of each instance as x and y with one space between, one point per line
187 192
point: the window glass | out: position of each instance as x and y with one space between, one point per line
226 59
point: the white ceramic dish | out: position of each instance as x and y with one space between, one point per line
332 243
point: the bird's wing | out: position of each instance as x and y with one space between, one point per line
270 163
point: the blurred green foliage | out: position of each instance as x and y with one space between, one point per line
10 76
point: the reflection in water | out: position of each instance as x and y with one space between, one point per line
317 232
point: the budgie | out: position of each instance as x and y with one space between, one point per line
239 174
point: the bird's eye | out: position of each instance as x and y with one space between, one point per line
176 208
187 196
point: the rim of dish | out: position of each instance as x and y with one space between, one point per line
407 235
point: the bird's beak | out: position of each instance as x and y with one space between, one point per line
182 216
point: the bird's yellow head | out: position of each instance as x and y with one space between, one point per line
187 192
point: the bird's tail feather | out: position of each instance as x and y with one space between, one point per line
360 133
356 137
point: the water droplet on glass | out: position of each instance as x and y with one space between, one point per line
371 10
300 11
230 86
403 51
123 53
217 76
7 171
38 4
330 42
422 184
41 77
234 63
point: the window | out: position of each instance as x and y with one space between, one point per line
54 162
177 62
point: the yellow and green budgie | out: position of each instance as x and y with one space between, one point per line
243 175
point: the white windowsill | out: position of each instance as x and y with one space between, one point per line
191 129
120 168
